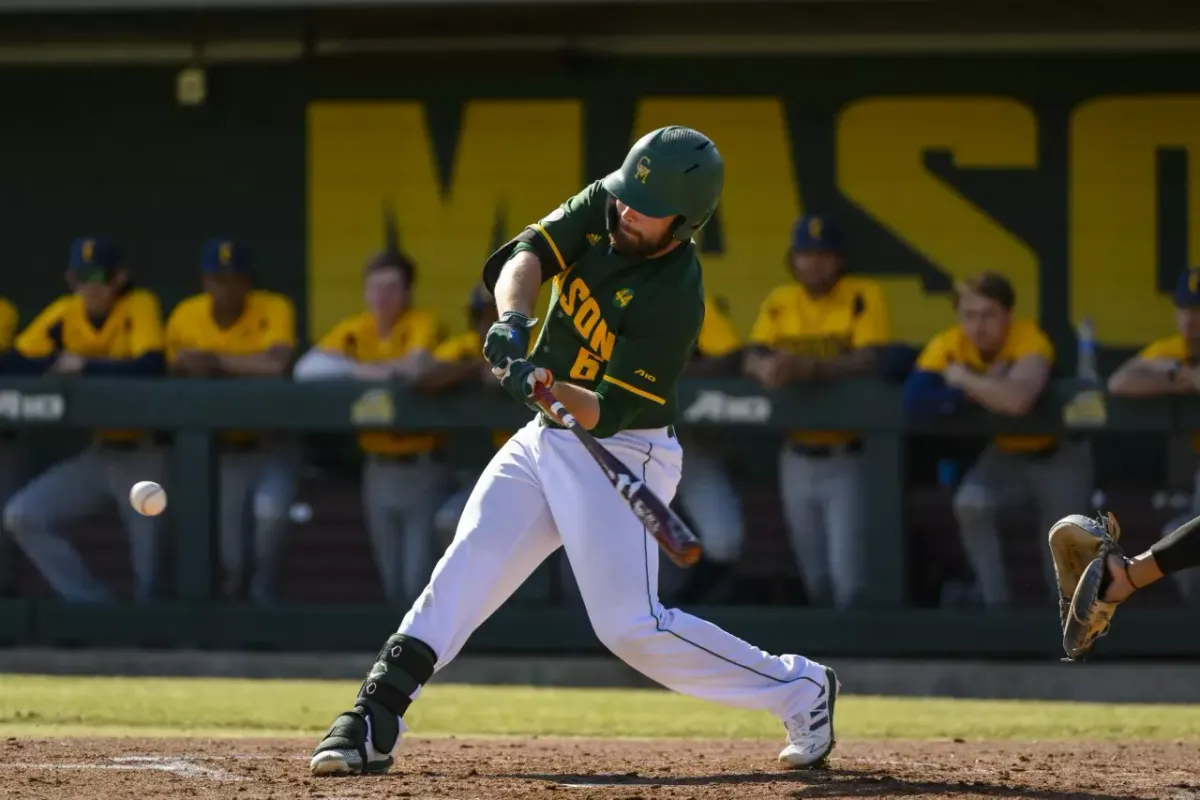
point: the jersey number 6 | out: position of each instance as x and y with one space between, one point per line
586 366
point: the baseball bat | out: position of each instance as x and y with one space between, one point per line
675 539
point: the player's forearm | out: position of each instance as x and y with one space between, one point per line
440 375
845 365
412 365
317 365
1001 395
257 365
1144 381
519 284
1144 570
1178 550
583 404
151 363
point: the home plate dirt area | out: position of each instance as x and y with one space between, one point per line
249 769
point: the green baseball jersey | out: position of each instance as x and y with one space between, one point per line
617 324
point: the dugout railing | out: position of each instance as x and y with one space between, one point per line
193 411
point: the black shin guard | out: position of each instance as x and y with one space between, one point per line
1180 549
402 666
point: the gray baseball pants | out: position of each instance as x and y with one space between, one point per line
1058 483
257 489
75 488
823 506
401 498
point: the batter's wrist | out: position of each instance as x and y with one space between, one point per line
518 320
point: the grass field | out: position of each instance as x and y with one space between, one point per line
150 707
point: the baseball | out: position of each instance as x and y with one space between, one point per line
148 498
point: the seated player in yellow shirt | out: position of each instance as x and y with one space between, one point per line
232 330
105 327
824 326
1168 367
403 476
1002 363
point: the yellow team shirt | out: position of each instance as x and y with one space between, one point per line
717 337
8 324
267 321
132 329
1173 348
359 339
852 316
1024 339
468 346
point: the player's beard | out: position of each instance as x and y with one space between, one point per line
635 246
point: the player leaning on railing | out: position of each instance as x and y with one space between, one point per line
624 314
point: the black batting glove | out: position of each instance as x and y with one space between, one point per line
508 339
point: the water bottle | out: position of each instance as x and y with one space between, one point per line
1086 369
1088 409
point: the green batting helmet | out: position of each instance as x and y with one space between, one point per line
673 171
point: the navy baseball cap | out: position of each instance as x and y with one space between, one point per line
1187 289
93 258
480 299
224 257
813 232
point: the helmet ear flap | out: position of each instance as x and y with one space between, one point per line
680 229
684 232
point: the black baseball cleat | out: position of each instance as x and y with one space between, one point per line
350 747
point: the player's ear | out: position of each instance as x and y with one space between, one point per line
69 277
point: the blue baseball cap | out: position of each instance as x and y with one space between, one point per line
813 232
224 257
93 258
1187 289
480 298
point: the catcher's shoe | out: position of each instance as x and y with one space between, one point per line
350 747
810 734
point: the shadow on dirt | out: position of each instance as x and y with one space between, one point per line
829 784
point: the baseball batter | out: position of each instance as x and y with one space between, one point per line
626 308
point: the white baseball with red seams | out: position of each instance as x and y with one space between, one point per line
148 498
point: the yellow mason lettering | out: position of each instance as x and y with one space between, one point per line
602 341
880 147
578 290
514 160
761 198
588 316
1114 215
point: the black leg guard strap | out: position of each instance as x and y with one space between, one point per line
1180 549
402 666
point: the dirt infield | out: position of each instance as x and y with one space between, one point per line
620 770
